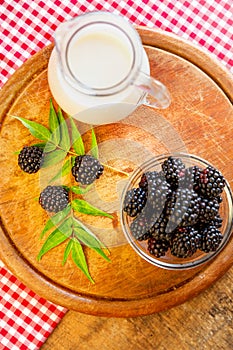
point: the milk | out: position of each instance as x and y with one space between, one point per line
98 58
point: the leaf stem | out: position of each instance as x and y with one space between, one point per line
104 164
115 169
72 153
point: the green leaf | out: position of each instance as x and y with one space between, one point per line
40 145
77 224
80 190
53 119
89 240
86 208
65 137
79 258
37 130
66 167
94 145
58 236
63 171
67 251
55 220
53 158
54 125
76 138
49 147
72 160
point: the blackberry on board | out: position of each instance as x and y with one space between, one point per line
30 159
87 169
54 198
172 169
134 201
211 182
156 247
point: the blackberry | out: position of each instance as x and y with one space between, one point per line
216 221
146 178
172 169
140 227
189 177
208 209
87 169
158 190
134 201
211 182
158 229
54 198
156 247
211 239
182 208
185 242
30 159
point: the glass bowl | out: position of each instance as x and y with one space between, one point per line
169 260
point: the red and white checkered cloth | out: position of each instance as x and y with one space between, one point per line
26 320
27 26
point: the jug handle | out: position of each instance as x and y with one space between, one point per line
156 94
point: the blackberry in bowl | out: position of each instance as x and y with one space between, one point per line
186 216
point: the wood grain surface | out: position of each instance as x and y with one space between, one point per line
203 323
199 121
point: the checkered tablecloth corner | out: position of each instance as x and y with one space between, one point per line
29 26
26 320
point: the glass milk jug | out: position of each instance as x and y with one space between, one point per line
98 71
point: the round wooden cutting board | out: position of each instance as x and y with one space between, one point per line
198 121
